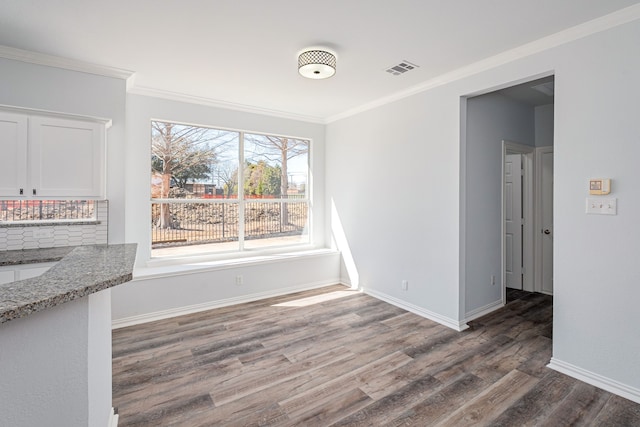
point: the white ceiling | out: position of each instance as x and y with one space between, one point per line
244 52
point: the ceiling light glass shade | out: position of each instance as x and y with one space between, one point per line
316 64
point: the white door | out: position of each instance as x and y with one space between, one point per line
546 209
513 220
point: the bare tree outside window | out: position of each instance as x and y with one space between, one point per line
212 189
279 152
181 153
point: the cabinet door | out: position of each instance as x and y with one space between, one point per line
66 158
13 158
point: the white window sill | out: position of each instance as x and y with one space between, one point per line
176 267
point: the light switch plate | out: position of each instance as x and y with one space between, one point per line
602 206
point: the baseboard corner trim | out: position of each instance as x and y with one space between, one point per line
596 380
483 311
443 320
113 418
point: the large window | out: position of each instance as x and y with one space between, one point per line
215 190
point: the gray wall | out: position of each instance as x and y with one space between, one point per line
392 181
491 118
544 125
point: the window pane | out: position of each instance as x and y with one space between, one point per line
275 223
195 173
275 167
193 162
194 228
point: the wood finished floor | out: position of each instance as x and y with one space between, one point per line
332 357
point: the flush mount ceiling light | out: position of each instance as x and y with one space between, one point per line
316 63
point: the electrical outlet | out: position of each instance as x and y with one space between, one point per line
405 285
493 280
239 280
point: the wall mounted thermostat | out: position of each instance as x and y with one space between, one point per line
599 186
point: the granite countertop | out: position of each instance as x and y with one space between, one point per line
32 256
81 270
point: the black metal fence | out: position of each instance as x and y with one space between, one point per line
188 223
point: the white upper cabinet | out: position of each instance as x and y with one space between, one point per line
66 157
51 157
13 154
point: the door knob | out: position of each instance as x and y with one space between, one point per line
547 231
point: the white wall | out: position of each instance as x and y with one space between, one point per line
54 89
99 363
491 118
55 365
152 298
398 179
392 176
597 134
44 368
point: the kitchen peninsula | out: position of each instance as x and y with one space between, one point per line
55 335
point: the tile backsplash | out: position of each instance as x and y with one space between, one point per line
17 236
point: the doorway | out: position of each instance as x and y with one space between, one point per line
516 122
527 236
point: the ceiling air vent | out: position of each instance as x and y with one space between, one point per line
401 68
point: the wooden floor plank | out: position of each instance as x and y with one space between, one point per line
618 411
439 405
385 409
579 408
492 402
333 356
324 412
536 404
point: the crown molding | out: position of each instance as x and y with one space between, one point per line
38 58
612 20
208 102
606 22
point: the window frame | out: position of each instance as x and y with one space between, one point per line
241 251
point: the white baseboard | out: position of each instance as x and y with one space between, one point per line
180 311
348 284
113 419
597 380
446 321
483 311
